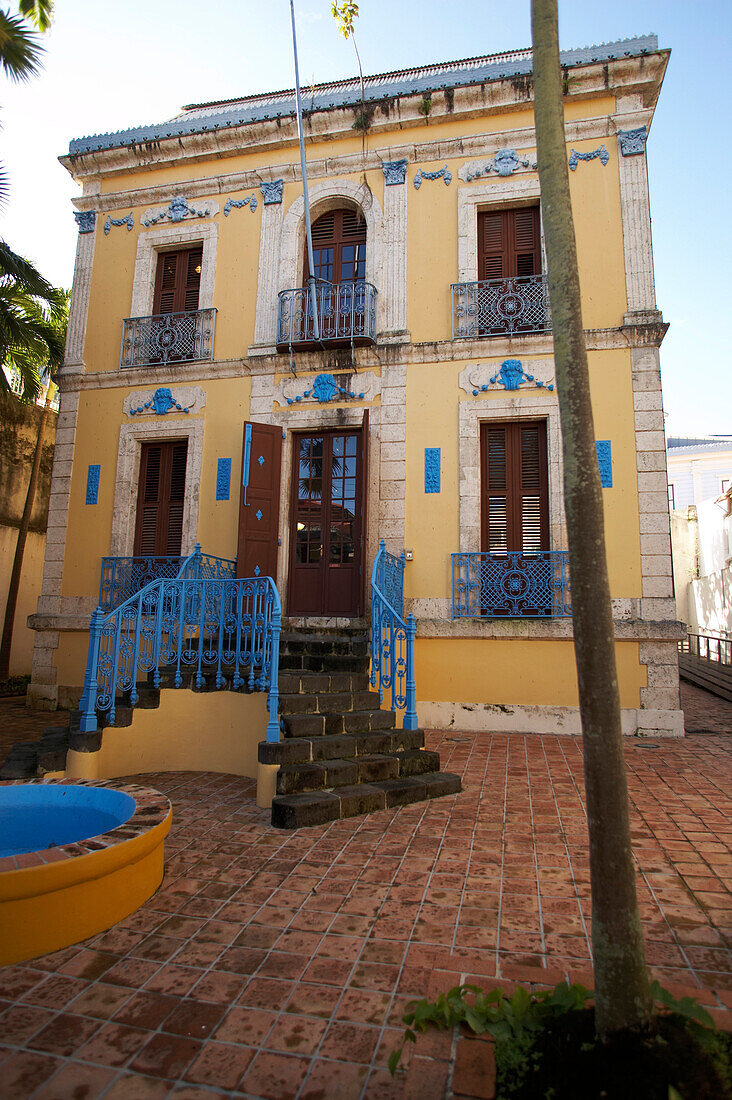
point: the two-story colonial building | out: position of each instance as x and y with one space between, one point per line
213 393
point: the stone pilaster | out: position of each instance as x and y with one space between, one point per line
392 462
636 213
265 323
79 307
394 264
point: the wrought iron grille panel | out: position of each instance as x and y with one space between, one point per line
494 307
123 577
168 338
392 639
220 628
511 585
346 311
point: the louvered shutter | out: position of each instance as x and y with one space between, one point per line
509 243
259 506
177 281
161 499
515 511
339 247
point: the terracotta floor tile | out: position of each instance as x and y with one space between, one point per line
166 1055
19 1022
220 1064
174 980
361 1006
113 1045
275 1076
64 1034
89 965
314 999
336 1079
25 1071
350 1042
75 1081
100 1000
136 1087
219 987
194 1019
245 1025
146 1010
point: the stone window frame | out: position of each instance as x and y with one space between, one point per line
152 242
506 194
325 196
538 406
124 513
292 422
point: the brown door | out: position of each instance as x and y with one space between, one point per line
327 512
259 501
160 499
177 281
514 484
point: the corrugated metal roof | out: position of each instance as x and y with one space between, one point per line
678 444
200 118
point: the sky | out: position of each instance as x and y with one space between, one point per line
112 66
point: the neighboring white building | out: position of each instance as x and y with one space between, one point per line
700 495
698 469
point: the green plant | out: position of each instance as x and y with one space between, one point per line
426 105
503 1017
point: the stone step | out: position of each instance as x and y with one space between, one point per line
328 702
298 750
317 645
21 762
327 774
354 721
299 682
303 662
293 811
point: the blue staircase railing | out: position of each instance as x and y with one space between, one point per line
392 637
123 577
202 622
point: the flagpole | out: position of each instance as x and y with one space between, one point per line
308 231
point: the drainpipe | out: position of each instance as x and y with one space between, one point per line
308 232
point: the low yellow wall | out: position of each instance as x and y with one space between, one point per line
21 652
514 671
46 908
214 731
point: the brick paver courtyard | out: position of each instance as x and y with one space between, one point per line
277 965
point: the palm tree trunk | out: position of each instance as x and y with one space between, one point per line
621 980
14 587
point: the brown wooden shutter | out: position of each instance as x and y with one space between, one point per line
177 280
259 516
161 499
515 490
330 233
509 243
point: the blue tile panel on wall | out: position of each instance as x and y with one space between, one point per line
605 462
223 478
432 469
92 484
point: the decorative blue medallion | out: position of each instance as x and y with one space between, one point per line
504 163
323 390
129 221
223 478
575 157
178 211
512 376
632 142
432 469
250 201
395 172
85 220
258 513
260 460
444 173
92 483
161 402
271 192
257 570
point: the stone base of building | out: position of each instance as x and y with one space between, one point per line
516 718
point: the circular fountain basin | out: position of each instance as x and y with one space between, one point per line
75 858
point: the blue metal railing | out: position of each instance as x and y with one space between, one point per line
494 307
346 311
392 638
167 338
512 585
123 577
191 624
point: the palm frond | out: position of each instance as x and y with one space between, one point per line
20 50
24 274
39 12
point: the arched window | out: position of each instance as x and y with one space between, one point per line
339 247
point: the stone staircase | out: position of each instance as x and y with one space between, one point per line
341 754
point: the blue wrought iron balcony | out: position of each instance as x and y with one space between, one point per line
346 315
513 585
168 338
500 307
123 577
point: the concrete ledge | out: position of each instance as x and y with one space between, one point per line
518 718
625 629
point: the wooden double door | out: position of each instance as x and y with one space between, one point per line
327 496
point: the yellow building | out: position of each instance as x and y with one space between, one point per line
414 403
